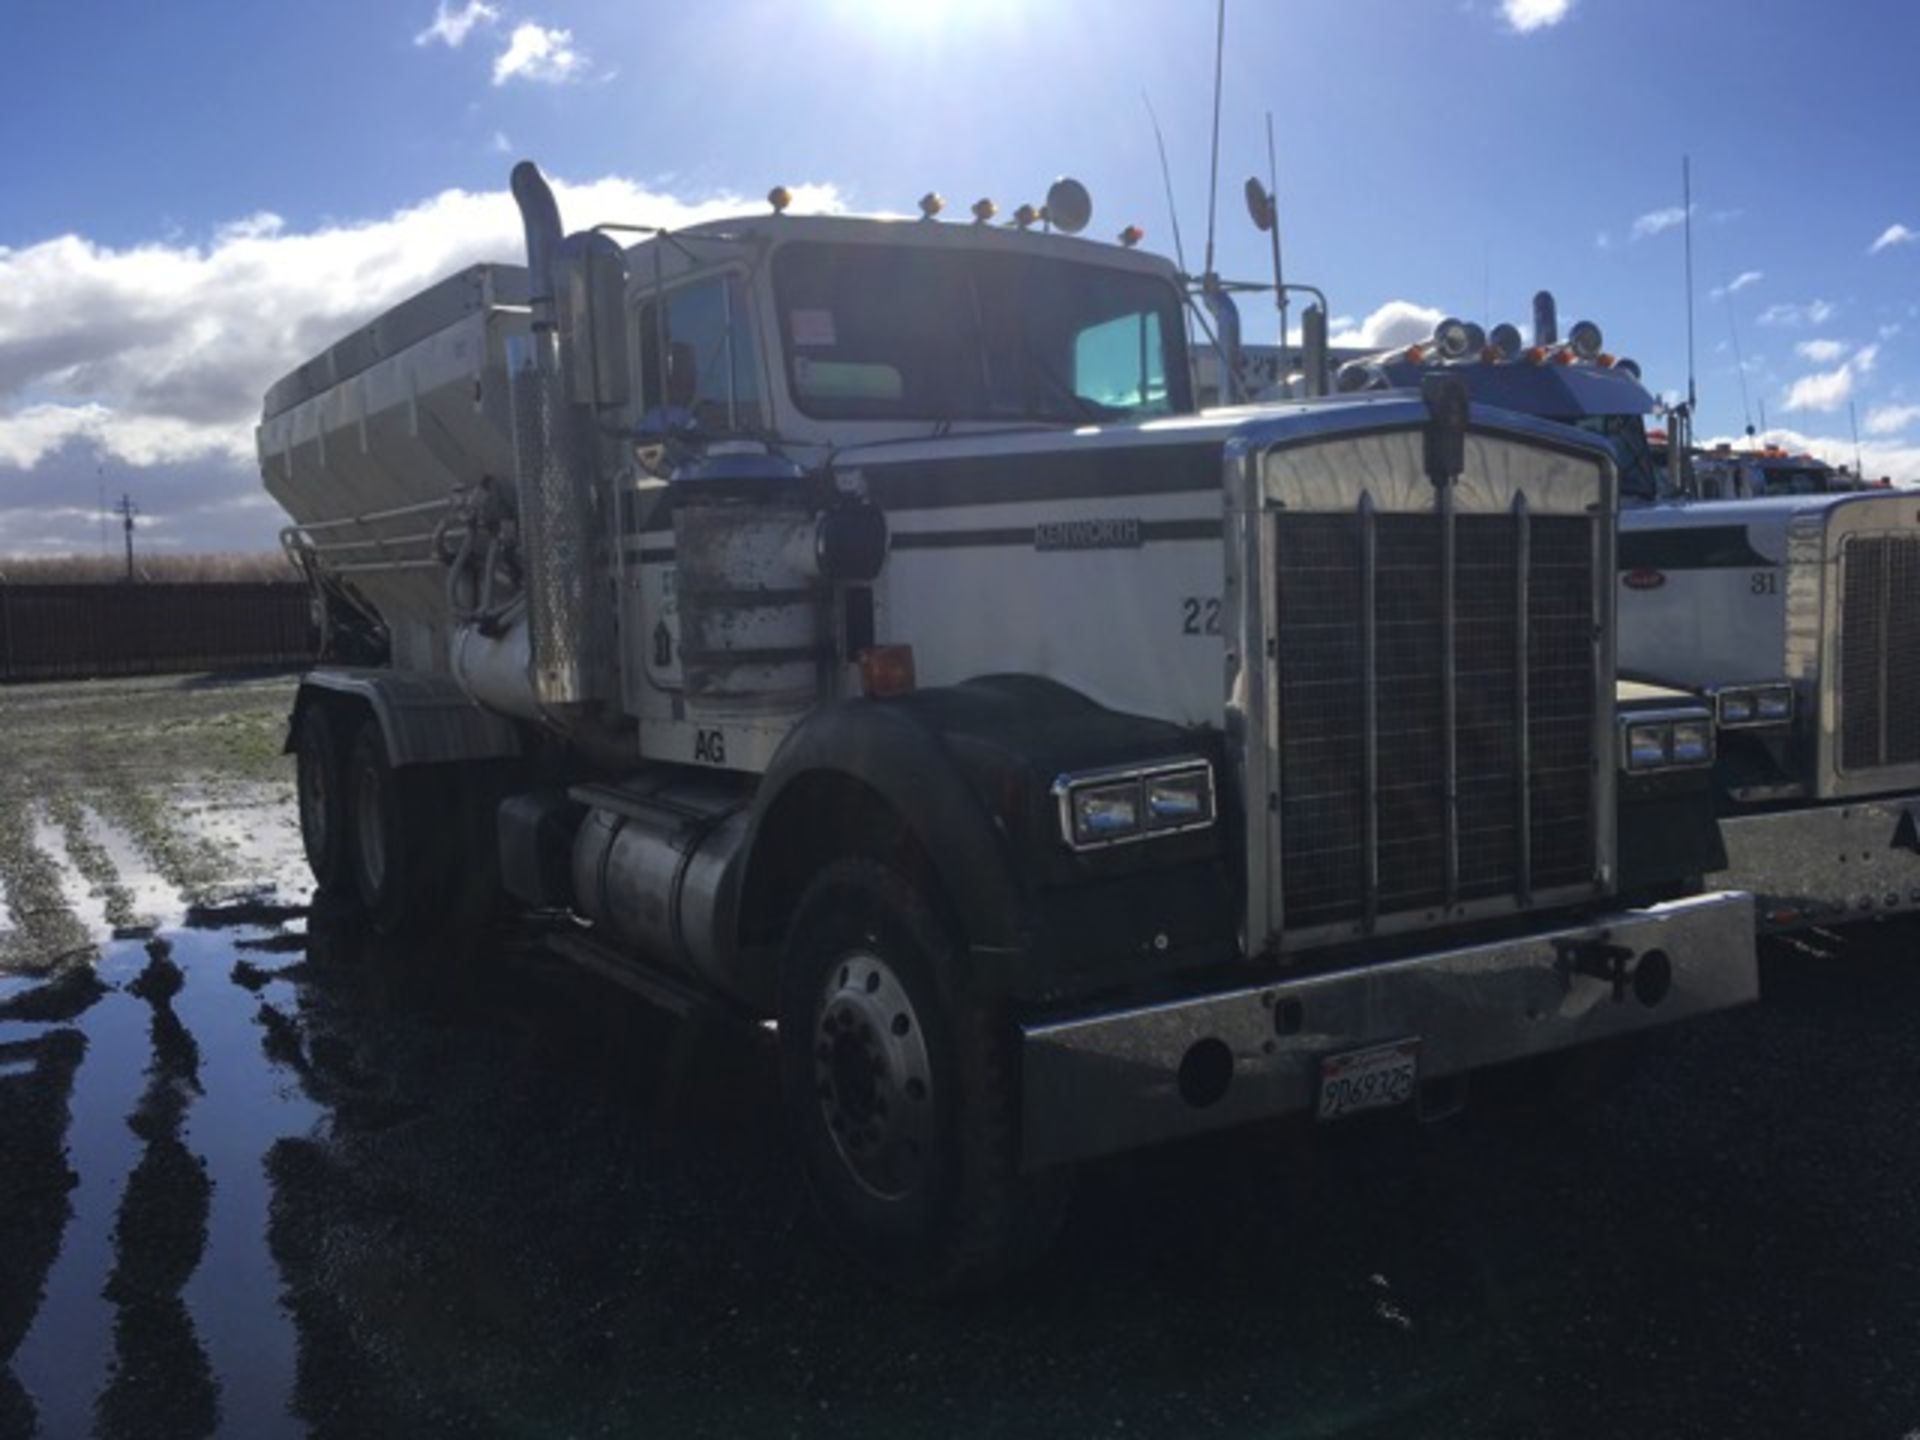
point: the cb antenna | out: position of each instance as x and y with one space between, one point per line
1686 211
1166 179
1740 365
1213 176
1273 202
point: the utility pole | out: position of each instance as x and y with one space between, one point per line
126 509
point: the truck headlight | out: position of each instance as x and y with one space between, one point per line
1666 740
1111 807
1745 707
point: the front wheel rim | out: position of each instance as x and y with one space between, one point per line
872 1075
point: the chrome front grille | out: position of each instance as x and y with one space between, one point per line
1879 652
1370 729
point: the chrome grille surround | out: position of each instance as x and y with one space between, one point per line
1879 652
1863 551
1340 726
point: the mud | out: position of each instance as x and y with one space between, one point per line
263 1175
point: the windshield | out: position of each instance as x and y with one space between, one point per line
1779 480
1639 474
911 333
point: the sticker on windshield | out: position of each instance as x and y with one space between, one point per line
811 327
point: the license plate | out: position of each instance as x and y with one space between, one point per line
1369 1079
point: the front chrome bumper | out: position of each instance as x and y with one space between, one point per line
1111 1082
1827 864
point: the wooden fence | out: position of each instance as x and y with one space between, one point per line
74 631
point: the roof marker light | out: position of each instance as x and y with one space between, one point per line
1025 216
779 197
984 210
1632 367
1132 236
931 205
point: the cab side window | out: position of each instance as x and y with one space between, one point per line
697 361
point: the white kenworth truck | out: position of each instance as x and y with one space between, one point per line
846 622
1796 613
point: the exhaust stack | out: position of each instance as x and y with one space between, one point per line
555 515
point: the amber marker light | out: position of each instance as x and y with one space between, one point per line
779 197
886 670
1132 236
1025 216
931 205
984 210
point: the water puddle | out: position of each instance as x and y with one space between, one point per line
172 1113
62 1361
248 1104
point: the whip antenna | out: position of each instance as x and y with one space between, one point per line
1213 178
1686 210
1740 366
1166 179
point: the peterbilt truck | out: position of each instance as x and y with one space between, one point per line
849 623
1794 609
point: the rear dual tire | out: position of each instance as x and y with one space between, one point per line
389 837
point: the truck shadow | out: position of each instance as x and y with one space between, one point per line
539 1205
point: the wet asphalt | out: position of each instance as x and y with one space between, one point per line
265 1175
262 1175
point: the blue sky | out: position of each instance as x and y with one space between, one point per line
198 195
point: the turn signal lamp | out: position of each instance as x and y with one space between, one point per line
1132 236
1535 355
779 197
1603 360
931 205
886 670
984 210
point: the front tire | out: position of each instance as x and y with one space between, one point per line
901 1090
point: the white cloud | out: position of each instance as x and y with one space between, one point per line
537 52
1814 312
1822 352
1654 222
451 27
1603 241
1891 419
1526 15
501 145
1827 390
1889 330
1398 322
1737 284
155 355
1891 236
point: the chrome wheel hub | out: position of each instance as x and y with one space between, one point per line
872 1075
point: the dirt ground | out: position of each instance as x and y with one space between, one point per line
262 1175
